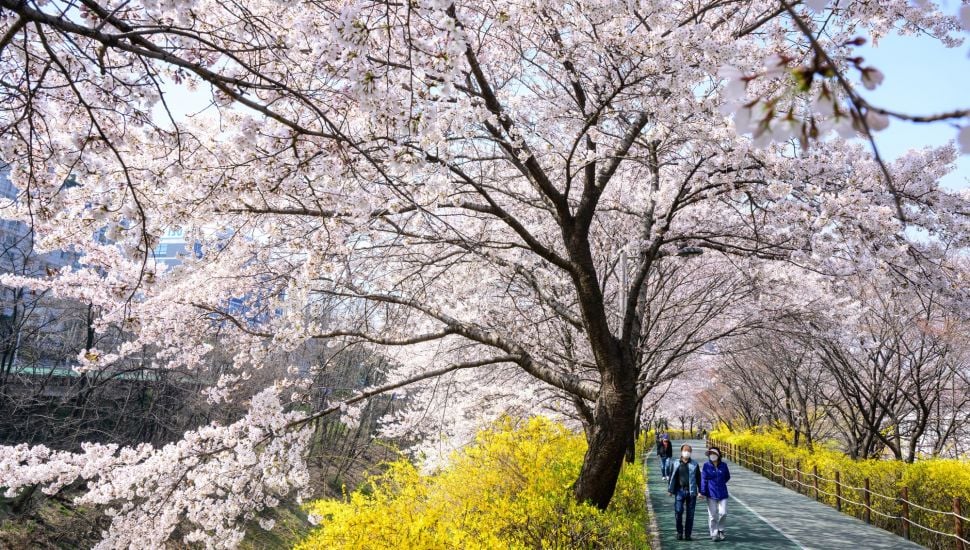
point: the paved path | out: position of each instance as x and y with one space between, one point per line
765 515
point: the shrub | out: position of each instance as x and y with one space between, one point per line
509 489
930 483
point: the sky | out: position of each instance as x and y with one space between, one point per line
922 77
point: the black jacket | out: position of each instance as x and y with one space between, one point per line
665 452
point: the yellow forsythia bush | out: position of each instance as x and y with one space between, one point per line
509 489
931 483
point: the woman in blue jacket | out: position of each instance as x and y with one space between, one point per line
714 478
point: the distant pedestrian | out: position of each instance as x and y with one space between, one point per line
685 481
666 453
714 478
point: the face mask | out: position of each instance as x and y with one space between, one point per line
713 458
685 454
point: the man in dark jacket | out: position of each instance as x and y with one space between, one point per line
684 484
714 478
665 451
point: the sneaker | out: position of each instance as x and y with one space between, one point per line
688 538
680 536
720 535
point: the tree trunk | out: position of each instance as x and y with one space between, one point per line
631 451
614 423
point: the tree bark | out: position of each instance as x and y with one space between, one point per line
614 423
631 451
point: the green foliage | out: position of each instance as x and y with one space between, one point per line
930 483
50 523
508 489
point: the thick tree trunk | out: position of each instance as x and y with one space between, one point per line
614 423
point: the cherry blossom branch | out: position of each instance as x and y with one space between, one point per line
151 51
434 373
948 115
12 31
563 381
530 164
858 105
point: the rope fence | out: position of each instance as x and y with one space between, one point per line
921 523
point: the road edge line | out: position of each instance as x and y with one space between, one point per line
772 525
654 528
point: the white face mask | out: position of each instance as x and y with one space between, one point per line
685 454
714 458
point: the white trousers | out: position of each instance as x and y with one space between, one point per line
716 512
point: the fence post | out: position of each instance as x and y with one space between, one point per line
798 476
838 491
784 473
958 523
771 465
868 503
904 496
815 479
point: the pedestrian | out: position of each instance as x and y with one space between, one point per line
685 481
714 478
666 453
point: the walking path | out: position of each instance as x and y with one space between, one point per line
764 515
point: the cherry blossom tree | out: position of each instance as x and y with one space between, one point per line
875 362
484 192
892 366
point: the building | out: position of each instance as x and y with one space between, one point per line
172 247
36 330
16 251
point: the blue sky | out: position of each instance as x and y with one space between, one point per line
922 77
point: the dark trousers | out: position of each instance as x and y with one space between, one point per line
684 503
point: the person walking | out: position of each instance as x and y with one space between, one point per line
714 478
685 481
666 453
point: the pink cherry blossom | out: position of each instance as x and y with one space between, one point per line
516 208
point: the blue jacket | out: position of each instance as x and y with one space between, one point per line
692 475
714 480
